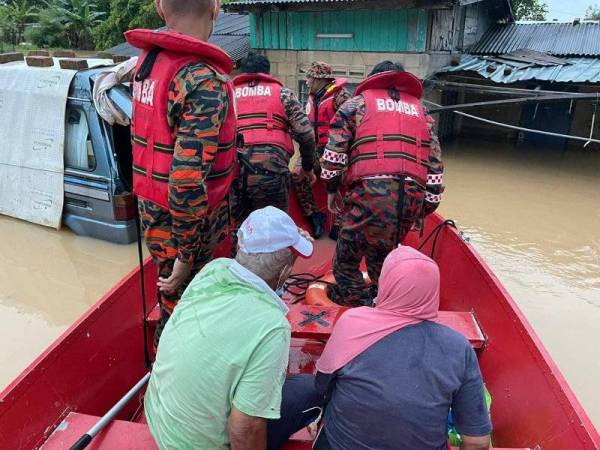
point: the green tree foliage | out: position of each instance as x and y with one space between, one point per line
593 12
50 30
67 24
79 18
529 9
124 15
14 16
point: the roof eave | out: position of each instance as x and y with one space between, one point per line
318 5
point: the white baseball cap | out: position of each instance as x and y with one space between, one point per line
268 230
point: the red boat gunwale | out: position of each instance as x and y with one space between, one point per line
532 425
72 373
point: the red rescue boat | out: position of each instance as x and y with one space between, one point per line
100 357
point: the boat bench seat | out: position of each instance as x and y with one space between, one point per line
152 317
119 434
316 322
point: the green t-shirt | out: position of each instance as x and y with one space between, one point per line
227 343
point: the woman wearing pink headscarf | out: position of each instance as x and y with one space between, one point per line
391 373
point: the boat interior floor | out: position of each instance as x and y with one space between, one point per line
121 434
311 327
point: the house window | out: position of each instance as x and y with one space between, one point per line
79 151
339 71
302 92
357 71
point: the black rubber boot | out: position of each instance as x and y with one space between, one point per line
317 221
334 233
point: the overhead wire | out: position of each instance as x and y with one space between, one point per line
515 127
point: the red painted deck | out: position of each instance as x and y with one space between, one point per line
316 322
119 434
124 435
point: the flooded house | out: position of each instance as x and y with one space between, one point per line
520 60
355 35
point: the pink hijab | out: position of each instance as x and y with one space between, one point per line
409 293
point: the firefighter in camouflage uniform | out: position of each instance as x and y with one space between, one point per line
183 133
383 155
269 117
327 94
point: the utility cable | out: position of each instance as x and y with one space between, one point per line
436 231
514 127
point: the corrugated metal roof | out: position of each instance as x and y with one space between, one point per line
232 24
559 39
275 2
242 4
231 33
575 70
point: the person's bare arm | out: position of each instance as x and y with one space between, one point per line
246 432
475 442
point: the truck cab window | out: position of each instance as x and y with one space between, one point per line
122 146
79 151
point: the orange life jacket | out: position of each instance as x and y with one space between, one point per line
320 114
393 137
260 113
164 54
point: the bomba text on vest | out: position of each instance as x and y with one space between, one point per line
253 91
390 105
143 92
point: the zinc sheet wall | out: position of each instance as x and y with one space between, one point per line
403 30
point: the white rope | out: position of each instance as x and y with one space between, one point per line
514 127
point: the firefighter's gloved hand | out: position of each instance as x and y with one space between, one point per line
181 271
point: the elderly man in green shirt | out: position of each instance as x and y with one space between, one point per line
223 355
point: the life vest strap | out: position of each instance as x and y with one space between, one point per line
390 138
387 155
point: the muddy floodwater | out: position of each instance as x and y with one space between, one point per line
48 278
534 215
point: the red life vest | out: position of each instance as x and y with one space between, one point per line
153 138
393 137
260 113
320 115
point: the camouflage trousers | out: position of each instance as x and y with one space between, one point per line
377 215
156 224
252 191
304 193
304 190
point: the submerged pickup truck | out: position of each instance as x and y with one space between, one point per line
98 174
97 165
